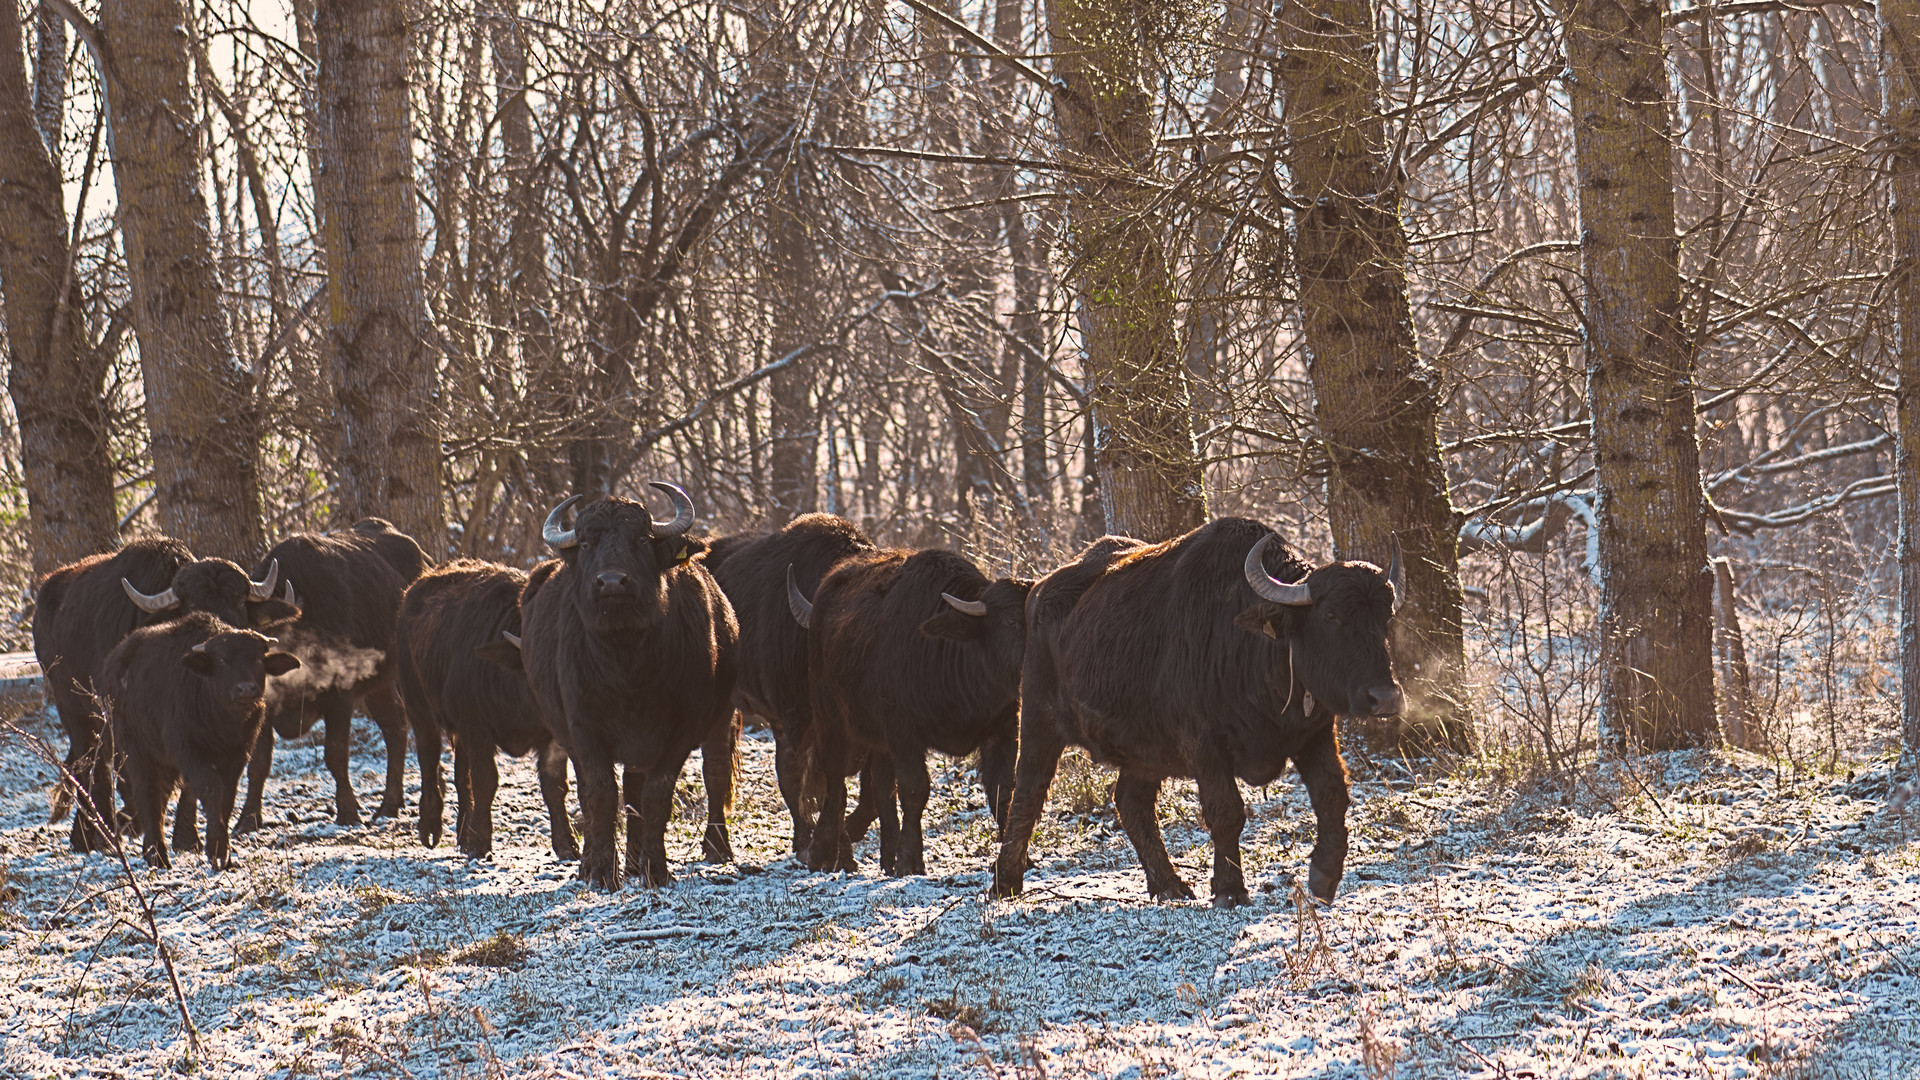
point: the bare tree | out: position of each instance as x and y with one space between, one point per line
1900 42
1656 589
55 373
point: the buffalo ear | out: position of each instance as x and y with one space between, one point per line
271 614
279 663
503 653
955 625
676 550
1263 618
198 662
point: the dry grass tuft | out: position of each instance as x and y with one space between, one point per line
502 950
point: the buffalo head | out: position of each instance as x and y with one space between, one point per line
221 589
1333 624
236 665
994 621
620 556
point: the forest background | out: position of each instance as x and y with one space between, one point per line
1599 310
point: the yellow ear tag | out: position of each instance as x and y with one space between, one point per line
1268 627
683 555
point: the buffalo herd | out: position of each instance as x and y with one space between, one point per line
1218 655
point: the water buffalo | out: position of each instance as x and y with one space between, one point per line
752 569
82 610
349 585
1213 655
186 699
460 673
629 648
910 652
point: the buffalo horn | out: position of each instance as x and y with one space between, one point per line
200 648
154 604
682 511
287 594
1397 576
556 537
513 639
965 607
263 590
1266 586
801 607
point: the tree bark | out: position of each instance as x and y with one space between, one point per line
55 374
201 417
1375 399
1656 589
1900 44
1151 480
383 365
794 451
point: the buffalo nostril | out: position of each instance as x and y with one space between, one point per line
1386 701
612 579
246 690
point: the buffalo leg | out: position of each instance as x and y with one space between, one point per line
915 787
337 710
656 807
789 769
876 796
476 806
384 710
636 831
150 809
433 796
1325 777
829 850
95 816
599 802
716 769
1134 797
996 777
186 827
1226 815
1040 750
218 800
259 764
553 790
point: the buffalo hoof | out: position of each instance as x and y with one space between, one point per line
715 847
802 842
602 875
430 835
567 852
1006 886
477 852
249 822
388 810
1323 884
349 817
1232 900
186 841
1170 890
157 858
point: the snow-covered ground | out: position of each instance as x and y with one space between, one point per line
1688 916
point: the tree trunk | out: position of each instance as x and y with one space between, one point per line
1900 43
1376 400
383 365
55 374
201 417
1656 589
1151 481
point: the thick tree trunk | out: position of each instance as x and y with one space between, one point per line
1376 400
794 451
55 375
201 417
1900 43
383 365
1151 481
1656 589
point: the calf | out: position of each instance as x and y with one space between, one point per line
460 673
629 648
350 585
910 652
187 701
82 610
1191 658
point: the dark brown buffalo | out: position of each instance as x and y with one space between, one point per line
460 673
349 585
752 569
187 702
81 611
1195 657
910 652
629 648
